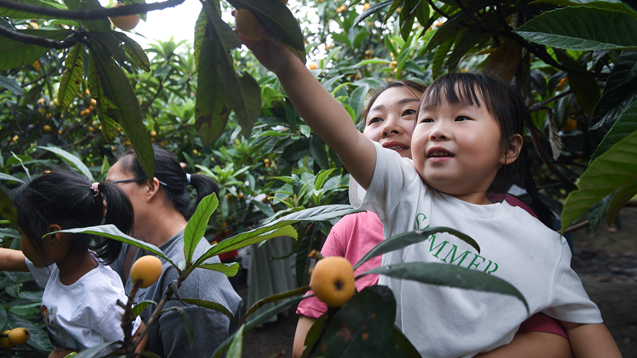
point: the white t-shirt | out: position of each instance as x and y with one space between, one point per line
84 314
450 322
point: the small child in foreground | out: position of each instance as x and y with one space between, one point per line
467 141
80 290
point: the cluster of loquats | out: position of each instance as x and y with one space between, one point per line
14 337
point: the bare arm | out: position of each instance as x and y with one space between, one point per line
532 345
12 260
304 325
322 112
591 340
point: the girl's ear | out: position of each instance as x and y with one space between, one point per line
54 238
152 188
512 152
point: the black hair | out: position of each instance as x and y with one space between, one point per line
509 109
66 198
173 180
410 85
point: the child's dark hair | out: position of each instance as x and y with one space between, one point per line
66 198
172 179
510 111
410 85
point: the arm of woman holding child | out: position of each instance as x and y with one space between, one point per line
322 112
591 340
12 260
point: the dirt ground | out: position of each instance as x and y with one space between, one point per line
606 261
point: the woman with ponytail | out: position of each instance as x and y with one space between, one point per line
162 206
79 303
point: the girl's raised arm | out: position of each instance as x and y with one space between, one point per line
12 260
322 112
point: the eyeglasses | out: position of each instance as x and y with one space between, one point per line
134 180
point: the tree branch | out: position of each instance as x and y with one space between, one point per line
74 38
545 158
89 14
536 107
436 9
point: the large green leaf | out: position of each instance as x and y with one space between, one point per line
608 4
15 53
319 213
503 63
4 176
570 28
129 114
440 55
609 172
134 50
234 351
620 90
448 275
229 269
112 232
449 30
212 108
597 212
103 105
621 197
71 160
278 20
11 85
362 327
623 127
245 239
242 92
3 317
196 227
585 88
20 14
399 346
403 240
72 76
372 10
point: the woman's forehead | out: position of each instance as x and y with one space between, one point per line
395 95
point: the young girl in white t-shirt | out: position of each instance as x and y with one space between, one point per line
79 303
467 140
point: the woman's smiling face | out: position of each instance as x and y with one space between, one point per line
392 118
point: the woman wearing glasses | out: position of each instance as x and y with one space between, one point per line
162 205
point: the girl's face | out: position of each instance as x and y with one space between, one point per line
392 118
456 149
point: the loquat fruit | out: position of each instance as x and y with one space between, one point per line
333 280
127 22
146 269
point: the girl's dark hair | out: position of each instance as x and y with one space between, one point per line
65 198
410 85
510 111
172 179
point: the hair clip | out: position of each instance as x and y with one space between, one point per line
95 188
187 178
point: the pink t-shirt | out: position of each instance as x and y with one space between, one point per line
354 235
